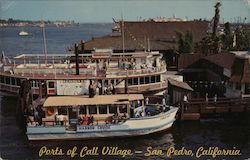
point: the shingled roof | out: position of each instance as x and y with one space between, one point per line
161 35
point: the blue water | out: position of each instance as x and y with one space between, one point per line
58 38
225 132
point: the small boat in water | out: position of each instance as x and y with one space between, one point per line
102 116
23 33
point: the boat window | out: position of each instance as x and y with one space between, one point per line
2 79
158 78
102 109
51 85
13 81
123 109
18 81
153 79
92 110
129 81
147 80
135 81
7 80
112 109
83 110
62 111
141 80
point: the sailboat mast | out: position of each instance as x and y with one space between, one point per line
123 43
44 41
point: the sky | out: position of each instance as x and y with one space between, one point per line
105 10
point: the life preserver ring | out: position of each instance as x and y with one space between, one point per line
50 111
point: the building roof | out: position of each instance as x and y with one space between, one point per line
185 60
241 71
160 35
225 60
96 100
179 84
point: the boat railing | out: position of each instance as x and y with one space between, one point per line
126 72
47 123
61 71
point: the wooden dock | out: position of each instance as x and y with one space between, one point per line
194 109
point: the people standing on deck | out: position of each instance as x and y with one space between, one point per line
56 119
185 99
163 104
167 97
91 120
147 101
60 119
215 98
85 120
206 98
36 115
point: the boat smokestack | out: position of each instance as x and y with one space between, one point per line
77 59
82 46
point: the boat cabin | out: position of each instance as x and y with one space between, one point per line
68 110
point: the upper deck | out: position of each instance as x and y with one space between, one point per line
100 63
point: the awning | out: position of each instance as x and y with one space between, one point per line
85 100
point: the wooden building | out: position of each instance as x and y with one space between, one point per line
177 90
224 74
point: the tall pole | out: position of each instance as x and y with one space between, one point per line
123 43
44 41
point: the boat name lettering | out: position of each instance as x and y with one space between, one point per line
86 127
93 127
104 127
164 117
71 81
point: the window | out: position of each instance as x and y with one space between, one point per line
129 81
83 110
135 81
158 79
51 85
92 110
18 82
147 80
123 109
13 81
7 80
2 79
153 79
141 80
62 111
102 109
112 109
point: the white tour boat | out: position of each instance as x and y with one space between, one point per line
102 116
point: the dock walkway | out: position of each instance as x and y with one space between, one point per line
194 109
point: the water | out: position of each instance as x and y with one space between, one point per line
58 38
223 132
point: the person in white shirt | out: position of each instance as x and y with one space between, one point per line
147 101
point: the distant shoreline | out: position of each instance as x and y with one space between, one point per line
24 23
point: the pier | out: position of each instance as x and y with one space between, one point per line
195 109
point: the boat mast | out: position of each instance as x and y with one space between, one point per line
123 43
44 41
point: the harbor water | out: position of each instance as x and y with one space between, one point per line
230 132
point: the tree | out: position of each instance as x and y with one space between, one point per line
185 42
227 37
216 18
242 39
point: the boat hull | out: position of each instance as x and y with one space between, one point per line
133 127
